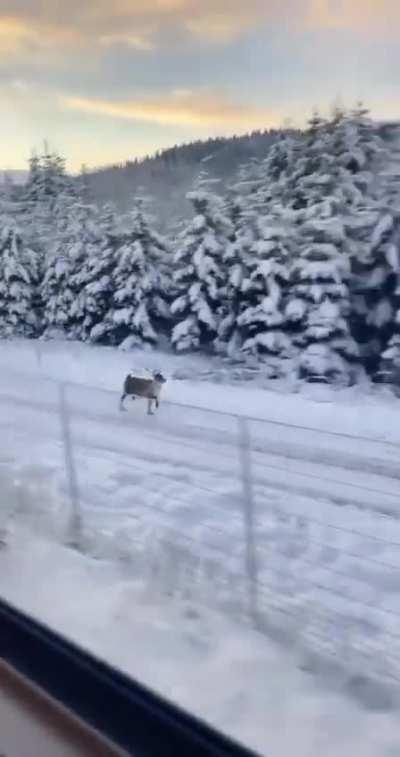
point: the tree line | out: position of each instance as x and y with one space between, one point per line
295 267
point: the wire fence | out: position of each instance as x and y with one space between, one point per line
204 509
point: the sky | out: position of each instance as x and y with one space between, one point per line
109 80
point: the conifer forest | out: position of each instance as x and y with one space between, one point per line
292 267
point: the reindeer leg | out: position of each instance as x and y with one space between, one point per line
149 407
121 402
157 403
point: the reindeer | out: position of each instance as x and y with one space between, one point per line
141 387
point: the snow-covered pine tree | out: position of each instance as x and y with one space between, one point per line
373 283
158 258
56 295
319 304
54 181
129 320
47 183
318 308
55 291
82 244
199 272
47 180
18 316
307 180
258 260
390 173
32 188
97 291
262 322
35 216
389 369
360 146
35 263
75 238
236 261
248 181
138 300
275 187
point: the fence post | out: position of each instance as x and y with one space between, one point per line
248 515
75 520
38 353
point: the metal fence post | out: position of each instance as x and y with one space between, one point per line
38 353
75 520
248 515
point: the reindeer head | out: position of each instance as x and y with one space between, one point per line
157 376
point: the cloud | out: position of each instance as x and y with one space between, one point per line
48 28
208 20
45 25
136 23
361 16
14 33
87 34
22 37
218 27
181 108
135 41
180 13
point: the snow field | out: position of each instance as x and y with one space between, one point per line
165 495
238 680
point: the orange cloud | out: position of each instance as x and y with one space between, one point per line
14 33
223 20
181 108
218 27
357 15
213 20
44 25
136 41
137 23
20 36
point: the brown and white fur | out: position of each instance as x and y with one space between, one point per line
141 387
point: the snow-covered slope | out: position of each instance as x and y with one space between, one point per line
236 679
15 176
201 382
163 496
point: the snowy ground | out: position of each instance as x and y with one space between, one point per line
234 678
162 497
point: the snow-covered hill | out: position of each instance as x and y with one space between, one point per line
14 176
